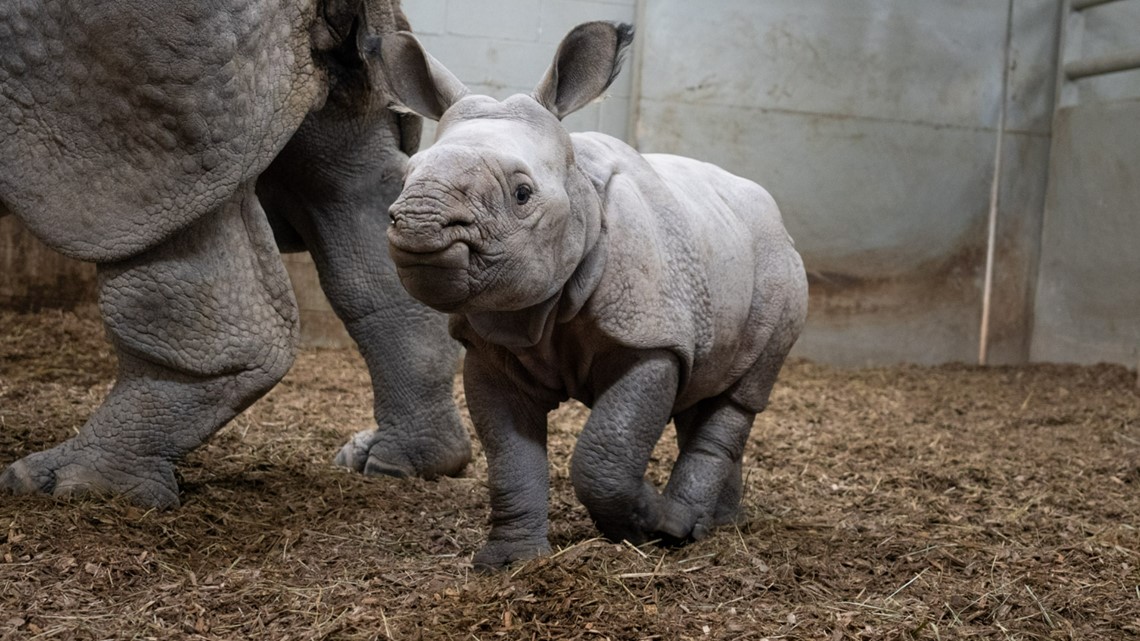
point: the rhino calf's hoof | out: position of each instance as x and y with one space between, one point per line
497 555
681 524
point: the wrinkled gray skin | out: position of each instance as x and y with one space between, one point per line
133 134
648 287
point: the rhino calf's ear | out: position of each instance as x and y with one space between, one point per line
418 81
587 61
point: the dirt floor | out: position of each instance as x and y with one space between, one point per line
889 503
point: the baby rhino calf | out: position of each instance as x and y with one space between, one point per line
648 287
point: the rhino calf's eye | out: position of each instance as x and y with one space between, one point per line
522 194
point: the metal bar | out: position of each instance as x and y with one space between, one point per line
1112 63
1081 5
1062 88
995 191
633 118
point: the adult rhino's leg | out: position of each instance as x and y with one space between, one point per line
411 358
203 325
337 201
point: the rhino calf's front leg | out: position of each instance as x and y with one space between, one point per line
626 420
512 428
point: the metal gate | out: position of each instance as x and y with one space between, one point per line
1087 305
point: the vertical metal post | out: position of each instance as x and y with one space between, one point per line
995 189
636 64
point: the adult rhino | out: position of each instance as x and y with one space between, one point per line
178 144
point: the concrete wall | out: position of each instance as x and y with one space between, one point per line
873 123
1102 30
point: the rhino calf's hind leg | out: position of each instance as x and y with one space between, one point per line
203 325
704 487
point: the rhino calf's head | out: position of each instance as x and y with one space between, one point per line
496 216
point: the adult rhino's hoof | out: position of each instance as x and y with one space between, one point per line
65 471
498 555
373 454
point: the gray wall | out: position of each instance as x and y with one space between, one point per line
873 123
